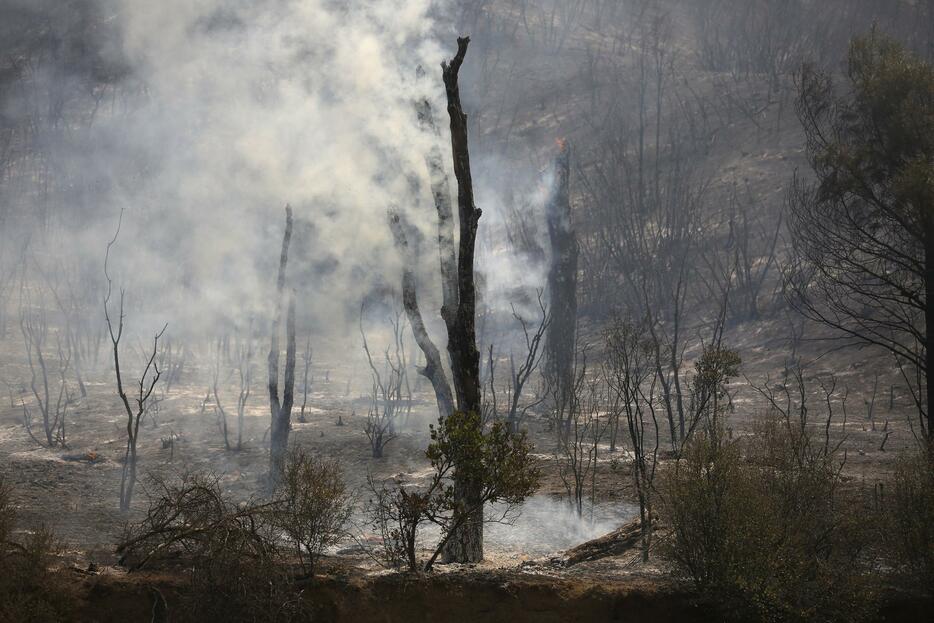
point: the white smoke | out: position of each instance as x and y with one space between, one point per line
234 108
224 111
545 525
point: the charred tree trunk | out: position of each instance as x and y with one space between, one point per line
466 543
562 285
927 415
434 368
281 412
462 341
441 193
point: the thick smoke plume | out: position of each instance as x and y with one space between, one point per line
229 110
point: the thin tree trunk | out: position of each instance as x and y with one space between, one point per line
281 412
78 366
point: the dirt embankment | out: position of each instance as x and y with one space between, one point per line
469 597
464 596
503 597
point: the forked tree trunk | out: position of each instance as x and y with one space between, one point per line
281 411
466 543
562 285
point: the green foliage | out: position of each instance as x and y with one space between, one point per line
768 537
712 371
912 518
878 146
715 367
699 503
500 463
860 231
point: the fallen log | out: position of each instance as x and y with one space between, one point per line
615 543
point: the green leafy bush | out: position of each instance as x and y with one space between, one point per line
497 462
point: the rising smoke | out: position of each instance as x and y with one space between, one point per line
223 113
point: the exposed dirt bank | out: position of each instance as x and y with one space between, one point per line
465 596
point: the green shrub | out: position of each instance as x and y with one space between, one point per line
312 506
768 536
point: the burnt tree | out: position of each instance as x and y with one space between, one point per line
392 395
458 309
433 369
519 376
245 372
628 371
306 367
560 339
281 410
143 388
52 398
462 343
466 543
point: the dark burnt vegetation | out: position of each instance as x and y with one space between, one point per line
30 590
244 559
392 393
